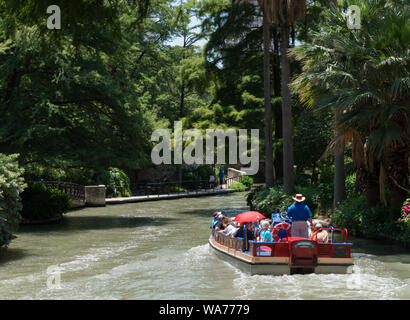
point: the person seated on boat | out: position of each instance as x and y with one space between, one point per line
240 233
311 227
215 220
225 222
256 229
265 235
231 228
219 225
248 235
299 213
320 236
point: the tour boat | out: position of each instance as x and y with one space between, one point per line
289 255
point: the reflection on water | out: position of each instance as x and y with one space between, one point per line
159 250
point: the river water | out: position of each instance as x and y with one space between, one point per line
159 250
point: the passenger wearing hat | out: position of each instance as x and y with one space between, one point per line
299 213
219 225
215 220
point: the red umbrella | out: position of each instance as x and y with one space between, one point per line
249 216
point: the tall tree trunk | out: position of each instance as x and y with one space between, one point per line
399 175
182 104
372 190
268 109
277 107
293 35
339 179
288 175
182 100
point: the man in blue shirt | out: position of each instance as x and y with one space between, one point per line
221 177
300 214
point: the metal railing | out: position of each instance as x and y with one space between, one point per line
170 187
73 190
231 180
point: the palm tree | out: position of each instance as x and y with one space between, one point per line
285 13
267 21
364 75
339 193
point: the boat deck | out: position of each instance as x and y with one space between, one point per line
294 255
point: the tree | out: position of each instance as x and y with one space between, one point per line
285 13
82 100
364 75
11 186
339 191
267 21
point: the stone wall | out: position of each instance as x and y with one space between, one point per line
95 196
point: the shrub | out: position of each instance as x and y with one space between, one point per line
11 186
268 200
247 181
350 214
116 181
354 215
40 203
201 172
405 213
237 186
352 188
404 221
318 198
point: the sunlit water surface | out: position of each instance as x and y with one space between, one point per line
159 250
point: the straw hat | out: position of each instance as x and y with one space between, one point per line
299 197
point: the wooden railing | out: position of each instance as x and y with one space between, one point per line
230 242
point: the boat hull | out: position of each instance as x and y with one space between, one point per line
278 265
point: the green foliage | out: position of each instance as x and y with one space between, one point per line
11 186
268 200
350 214
40 202
92 97
354 215
352 188
247 181
116 181
313 132
237 186
318 198
201 172
363 75
404 221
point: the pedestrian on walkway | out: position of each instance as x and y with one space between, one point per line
221 177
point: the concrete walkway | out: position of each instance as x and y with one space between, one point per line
210 192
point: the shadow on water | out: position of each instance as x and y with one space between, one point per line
228 212
77 223
12 254
377 247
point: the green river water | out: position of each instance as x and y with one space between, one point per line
159 250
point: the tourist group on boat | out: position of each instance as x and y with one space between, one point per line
296 222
